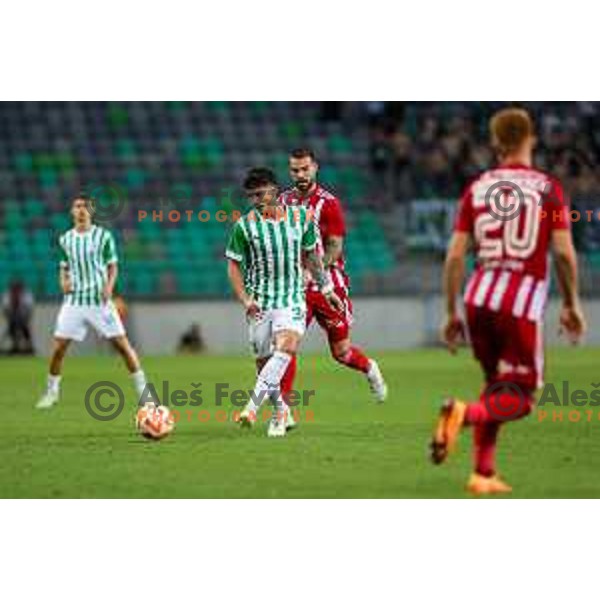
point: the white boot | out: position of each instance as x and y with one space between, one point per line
277 428
279 421
290 422
376 382
48 400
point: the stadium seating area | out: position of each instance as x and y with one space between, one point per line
379 158
433 148
159 155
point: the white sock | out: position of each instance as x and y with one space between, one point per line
54 383
268 380
280 408
139 382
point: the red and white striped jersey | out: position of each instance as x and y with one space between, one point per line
329 220
510 212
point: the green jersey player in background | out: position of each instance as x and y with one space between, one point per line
267 249
88 272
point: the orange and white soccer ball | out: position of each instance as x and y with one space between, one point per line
154 422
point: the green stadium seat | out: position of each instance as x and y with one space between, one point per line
220 106
259 107
50 283
60 222
340 144
135 178
135 249
292 130
214 283
214 150
279 160
117 116
65 162
593 259
176 105
125 149
34 208
329 174
24 162
150 234
144 284
48 178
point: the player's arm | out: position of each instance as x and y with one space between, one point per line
314 264
64 279
454 270
333 248
112 271
312 261
109 255
334 229
236 279
453 274
572 320
452 282
236 253
64 275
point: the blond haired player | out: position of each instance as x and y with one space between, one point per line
512 216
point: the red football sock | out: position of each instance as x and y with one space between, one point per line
487 415
476 413
355 359
499 406
287 381
484 448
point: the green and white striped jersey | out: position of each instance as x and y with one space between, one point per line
270 250
86 255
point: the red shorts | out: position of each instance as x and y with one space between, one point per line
508 348
335 324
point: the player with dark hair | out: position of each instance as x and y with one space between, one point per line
331 230
512 215
265 253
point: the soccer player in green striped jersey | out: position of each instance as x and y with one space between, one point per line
266 251
88 272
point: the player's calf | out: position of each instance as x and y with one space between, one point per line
122 345
350 356
354 358
52 393
268 381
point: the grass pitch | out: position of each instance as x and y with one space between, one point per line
350 448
